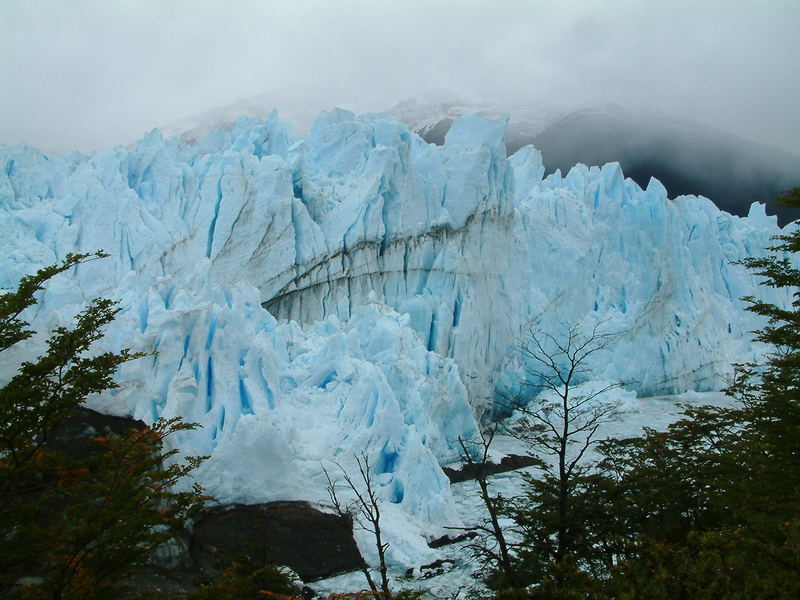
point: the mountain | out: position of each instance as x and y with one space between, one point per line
356 289
685 156
431 114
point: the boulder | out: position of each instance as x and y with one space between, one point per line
314 544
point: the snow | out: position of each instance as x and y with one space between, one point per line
357 290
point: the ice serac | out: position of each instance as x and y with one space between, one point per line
357 290
425 228
658 272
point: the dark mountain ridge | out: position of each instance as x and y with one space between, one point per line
687 157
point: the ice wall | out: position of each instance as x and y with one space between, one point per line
406 271
658 272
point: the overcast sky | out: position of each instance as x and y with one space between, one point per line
93 73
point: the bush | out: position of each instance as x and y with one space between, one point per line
76 524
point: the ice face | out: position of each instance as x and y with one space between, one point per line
360 291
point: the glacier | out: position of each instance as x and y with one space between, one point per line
307 299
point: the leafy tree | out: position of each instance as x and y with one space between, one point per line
770 396
712 505
245 579
75 525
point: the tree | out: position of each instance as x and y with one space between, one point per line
365 511
246 579
44 392
562 414
712 505
492 546
74 526
770 395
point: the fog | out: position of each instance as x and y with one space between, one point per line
90 74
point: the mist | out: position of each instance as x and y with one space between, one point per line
91 74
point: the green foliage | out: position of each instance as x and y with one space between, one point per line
711 505
45 391
247 580
12 328
539 520
666 484
73 525
732 564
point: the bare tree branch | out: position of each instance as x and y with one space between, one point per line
501 558
366 513
559 423
347 516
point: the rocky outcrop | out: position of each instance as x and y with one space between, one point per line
315 545
75 435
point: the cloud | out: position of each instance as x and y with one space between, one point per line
88 74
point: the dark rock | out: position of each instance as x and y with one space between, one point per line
315 545
308 593
436 568
433 569
75 435
446 540
512 462
437 564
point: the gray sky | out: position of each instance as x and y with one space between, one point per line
92 73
